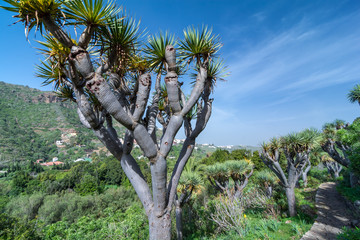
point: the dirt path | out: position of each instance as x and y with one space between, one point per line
332 214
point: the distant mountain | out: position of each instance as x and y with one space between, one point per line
31 121
36 124
234 147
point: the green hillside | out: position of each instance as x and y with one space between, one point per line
31 121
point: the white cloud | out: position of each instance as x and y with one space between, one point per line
306 56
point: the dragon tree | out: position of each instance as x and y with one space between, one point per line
107 72
230 177
338 140
296 147
333 167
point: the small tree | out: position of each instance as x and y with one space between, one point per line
258 163
189 183
267 180
333 167
239 172
354 94
296 148
239 154
339 140
114 84
305 172
219 156
331 143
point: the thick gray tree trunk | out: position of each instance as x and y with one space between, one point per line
290 195
179 226
160 227
354 180
334 168
269 191
304 178
305 172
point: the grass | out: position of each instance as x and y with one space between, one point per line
348 192
259 228
349 234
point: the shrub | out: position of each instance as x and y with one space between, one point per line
52 209
131 224
20 181
351 193
229 213
12 228
25 206
349 234
87 185
71 206
321 174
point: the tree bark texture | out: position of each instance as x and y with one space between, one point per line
330 147
269 191
354 180
179 226
305 172
334 168
290 195
304 178
160 227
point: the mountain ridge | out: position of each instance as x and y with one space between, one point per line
32 120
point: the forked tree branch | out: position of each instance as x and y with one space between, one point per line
187 150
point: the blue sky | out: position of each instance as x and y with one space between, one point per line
292 63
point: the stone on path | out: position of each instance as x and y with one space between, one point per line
332 213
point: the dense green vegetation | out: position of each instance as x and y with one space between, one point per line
240 194
94 200
29 126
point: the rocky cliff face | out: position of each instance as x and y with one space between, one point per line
26 94
46 98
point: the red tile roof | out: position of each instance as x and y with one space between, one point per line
51 163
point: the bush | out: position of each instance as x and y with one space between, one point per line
120 198
12 228
70 206
229 213
351 193
110 171
280 199
131 224
320 174
52 209
87 185
349 234
25 206
196 215
20 181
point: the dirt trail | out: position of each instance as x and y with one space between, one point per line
332 214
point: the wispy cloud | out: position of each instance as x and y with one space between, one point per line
279 83
260 16
305 57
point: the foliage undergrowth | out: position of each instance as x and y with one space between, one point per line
350 193
349 234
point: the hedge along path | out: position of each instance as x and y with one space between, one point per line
332 212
